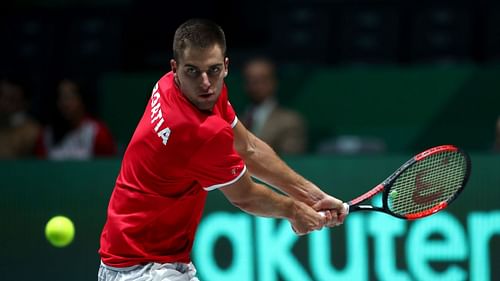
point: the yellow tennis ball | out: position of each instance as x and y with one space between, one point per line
60 231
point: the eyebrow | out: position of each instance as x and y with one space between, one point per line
194 66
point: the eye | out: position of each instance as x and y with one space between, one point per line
191 71
214 70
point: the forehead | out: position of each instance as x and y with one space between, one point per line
67 85
259 68
202 56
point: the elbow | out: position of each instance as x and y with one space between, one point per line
247 202
247 150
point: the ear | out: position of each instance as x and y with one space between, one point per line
173 65
226 66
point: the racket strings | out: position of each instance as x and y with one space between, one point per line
428 182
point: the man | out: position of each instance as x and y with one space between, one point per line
73 133
189 142
18 130
282 129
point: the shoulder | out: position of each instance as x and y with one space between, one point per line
30 124
93 121
287 115
166 81
212 126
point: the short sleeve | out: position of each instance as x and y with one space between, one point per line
226 109
231 115
216 163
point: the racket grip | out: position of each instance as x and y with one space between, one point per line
346 207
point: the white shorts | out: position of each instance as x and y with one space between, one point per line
149 272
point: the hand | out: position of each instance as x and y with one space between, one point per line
305 219
333 210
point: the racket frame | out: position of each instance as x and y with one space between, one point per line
385 186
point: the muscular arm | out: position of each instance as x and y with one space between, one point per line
259 200
265 164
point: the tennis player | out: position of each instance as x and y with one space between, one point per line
189 142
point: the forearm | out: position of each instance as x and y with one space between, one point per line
262 201
264 164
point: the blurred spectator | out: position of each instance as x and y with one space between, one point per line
18 131
351 144
284 130
497 138
73 134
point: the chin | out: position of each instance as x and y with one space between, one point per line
205 106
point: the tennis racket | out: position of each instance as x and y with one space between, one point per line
422 186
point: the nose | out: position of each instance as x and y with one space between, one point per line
205 83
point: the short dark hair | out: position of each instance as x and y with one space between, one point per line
200 33
18 82
265 59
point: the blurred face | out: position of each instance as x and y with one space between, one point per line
11 98
200 73
69 101
260 82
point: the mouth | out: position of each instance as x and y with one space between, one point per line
206 95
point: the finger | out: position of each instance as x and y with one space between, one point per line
317 225
333 222
332 219
324 218
343 213
328 216
297 232
341 217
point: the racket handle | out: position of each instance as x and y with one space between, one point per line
346 207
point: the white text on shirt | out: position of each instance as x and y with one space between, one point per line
157 115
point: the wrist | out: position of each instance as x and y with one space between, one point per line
291 209
313 194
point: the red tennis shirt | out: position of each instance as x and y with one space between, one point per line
176 155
